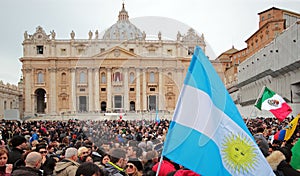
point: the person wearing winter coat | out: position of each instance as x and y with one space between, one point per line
279 162
67 166
166 167
117 163
33 162
19 144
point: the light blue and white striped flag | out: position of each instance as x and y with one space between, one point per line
207 133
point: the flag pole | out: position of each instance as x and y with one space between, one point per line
250 115
159 164
259 96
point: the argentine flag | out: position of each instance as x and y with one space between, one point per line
207 133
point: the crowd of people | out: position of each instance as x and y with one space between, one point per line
114 147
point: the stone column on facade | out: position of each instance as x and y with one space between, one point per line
144 97
28 102
52 91
126 90
73 90
138 90
53 48
33 104
180 78
96 90
90 88
161 104
109 91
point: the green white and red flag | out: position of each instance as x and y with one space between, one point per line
274 103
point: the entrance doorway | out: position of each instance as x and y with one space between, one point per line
103 106
152 102
132 106
40 101
118 101
82 104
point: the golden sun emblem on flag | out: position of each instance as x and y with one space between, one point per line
239 154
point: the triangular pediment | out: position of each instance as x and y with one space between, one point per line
116 52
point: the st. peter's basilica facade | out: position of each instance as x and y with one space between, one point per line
122 70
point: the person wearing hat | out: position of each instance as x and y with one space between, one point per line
19 144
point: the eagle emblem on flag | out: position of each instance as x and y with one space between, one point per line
273 102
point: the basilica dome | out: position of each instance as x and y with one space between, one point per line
123 29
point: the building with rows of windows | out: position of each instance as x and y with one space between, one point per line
271 59
121 70
10 98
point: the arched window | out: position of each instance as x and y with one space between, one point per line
82 77
131 77
103 78
40 77
152 78
63 78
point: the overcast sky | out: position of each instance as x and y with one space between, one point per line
223 22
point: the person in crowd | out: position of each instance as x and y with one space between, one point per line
279 161
150 160
48 163
2 143
102 162
68 165
33 162
34 144
88 159
117 163
89 169
35 135
105 159
51 150
5 169
134 154
132 170
83 153
261 141
96 153
19 144
166 167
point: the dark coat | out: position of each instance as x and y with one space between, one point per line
14 155
287 169
27 171
48 166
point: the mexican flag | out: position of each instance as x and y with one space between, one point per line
274 103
